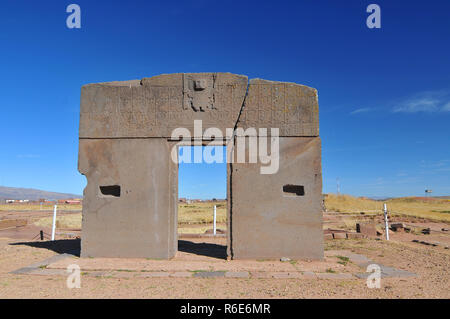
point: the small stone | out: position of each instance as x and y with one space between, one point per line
355 235
328 236
339 235
398 227
366 229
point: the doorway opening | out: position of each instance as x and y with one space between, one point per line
202 185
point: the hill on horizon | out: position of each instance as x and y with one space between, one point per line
32 194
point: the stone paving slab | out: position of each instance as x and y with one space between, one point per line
48 272
209 274
118 268
389 272
181 274
39 271
363 262
154 274
358 259
431 243
40 267
237 274
135 264
99 274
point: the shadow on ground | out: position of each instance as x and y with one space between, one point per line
62 246
203 249
72 246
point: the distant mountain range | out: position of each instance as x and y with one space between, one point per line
381 198
32 194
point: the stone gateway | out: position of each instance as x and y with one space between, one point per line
125 146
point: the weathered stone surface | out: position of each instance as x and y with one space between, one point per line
154 274
141 220
367 229
181 274
209 274
339 235
398 227
355 235
291 107
39 268
130 201
237 274
268 223
155 106
388 272
328 236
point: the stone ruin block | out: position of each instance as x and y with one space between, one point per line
154 107
130 201
291 107
279 215
367 229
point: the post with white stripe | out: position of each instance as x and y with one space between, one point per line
214 226
54 223
386 225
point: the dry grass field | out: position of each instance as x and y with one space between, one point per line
69 221
196 217
199 215
36 207
434 209
202 213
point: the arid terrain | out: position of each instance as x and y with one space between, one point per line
416 261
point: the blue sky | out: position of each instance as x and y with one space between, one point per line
384 94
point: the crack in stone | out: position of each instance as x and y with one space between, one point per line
242 108
230 252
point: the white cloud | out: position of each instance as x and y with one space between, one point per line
431 101
361 110
446 107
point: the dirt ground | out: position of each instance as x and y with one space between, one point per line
429 263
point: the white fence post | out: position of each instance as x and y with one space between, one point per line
54 223
214 226
386 225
